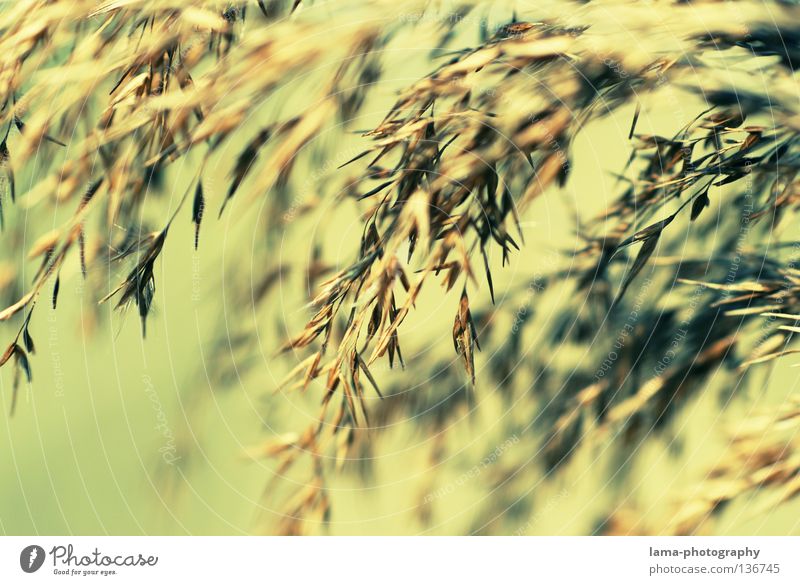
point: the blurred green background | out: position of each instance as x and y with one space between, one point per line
124 435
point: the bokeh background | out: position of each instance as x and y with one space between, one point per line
120 434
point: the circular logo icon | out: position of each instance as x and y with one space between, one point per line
31 558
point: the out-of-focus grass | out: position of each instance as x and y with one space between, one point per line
88 447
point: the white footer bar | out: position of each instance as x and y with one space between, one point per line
400 560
